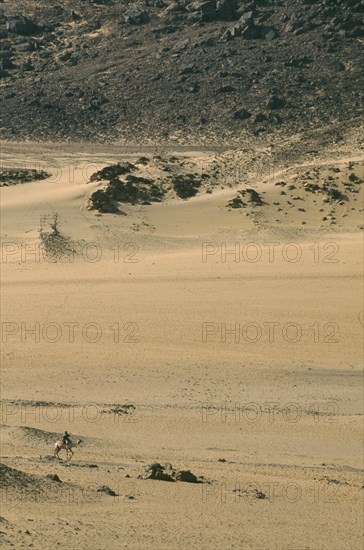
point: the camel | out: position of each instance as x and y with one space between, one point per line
59 445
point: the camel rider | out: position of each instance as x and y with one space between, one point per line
66 438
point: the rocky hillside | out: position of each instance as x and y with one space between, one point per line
191 71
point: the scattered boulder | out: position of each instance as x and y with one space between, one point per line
107 490
336 195
152 468
6 60
250 492
135 190
231 33
332 193
143 160
236 202
254 196
186 476
202 10
136 16
100 201
186 186
9 176
312 187
275 102
163 476
120 410
156 471
124 186
354 178
168 473
54 477
249 30
270 34
242 114
246 18
18 24
111 172
226 9
226 89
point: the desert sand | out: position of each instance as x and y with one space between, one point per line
224 341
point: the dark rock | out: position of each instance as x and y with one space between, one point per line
226 89
107 490
206 42
276 118
54 477
242 114
186 476
10 176
250 31
246 18
254 196
226 9
25 47
163 476
236 202
194 88
143 70
293 24
134 191
270 34
157 471
6 61
354 178
20 25
188 69
195 18
143 160
186 186
260 117
180 46
202 10
335 194
231 33
312 187
275 102
153 467
136 16
299 61
102 202
76 17
111 172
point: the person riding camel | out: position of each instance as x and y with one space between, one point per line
66 438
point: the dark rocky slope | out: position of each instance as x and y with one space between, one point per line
155 70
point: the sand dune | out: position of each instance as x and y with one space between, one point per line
235 333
